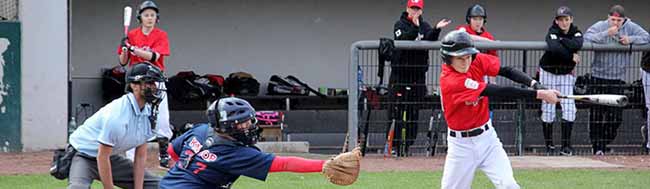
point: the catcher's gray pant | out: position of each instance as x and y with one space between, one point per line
564 84
645 78
84 170
485 152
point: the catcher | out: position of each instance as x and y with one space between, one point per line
214 155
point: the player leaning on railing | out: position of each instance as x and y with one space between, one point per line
608 72
557 71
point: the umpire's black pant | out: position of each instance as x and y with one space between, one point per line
405 100
604 120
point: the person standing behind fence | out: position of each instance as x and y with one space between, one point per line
476 18
408 71
557 71
148 43
608 71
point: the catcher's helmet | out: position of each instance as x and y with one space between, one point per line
474 11
225 113
145 72
148 5
456 43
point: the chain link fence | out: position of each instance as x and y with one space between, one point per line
412 104
9 10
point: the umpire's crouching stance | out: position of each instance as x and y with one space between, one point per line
472 141
122 124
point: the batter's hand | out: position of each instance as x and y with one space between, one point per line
548 96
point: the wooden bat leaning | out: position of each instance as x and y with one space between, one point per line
602 99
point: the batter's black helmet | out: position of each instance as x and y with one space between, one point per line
224 114
474 11
148 5
456 43
145 72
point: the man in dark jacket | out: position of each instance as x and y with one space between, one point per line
408 73
557 72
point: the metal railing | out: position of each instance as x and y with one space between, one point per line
523 55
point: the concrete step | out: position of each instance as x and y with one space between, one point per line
284 147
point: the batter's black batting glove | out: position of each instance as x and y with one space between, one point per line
125 43
538 86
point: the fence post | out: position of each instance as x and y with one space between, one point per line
521 110
353 91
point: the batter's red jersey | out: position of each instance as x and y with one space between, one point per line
485 34
156 41
462 103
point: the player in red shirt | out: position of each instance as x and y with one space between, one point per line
476 18
472 141
148 43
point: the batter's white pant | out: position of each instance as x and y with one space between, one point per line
485 152
564 84
645 78
162 123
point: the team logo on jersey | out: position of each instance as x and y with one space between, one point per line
553 36
420 37
578 34
474 103
195 145
398 33
208 156
471 84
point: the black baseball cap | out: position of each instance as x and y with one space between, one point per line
563 11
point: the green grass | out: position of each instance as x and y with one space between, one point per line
544 179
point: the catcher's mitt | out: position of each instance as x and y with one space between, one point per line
344 168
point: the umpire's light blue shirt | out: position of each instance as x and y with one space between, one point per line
120 124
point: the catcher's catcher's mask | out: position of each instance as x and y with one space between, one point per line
226 114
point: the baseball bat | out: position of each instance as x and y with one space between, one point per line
430 136
127 23
601 99
389 140
127 19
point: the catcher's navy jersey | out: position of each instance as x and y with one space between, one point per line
215 167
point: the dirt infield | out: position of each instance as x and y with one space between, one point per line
39 162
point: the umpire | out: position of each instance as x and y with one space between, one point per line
408 72
557 72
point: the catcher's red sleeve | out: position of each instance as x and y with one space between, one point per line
296 164
172 153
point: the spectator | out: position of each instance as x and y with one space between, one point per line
557 72
608 69
408 73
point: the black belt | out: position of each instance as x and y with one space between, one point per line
472 133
